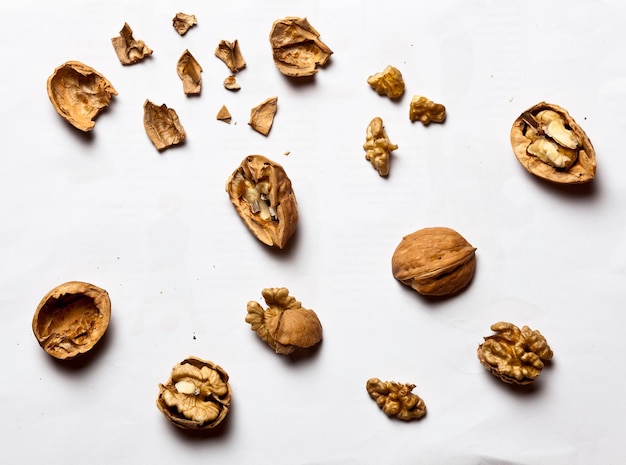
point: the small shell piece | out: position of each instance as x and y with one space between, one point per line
230 83
71 319
196 396
396 399
190 72
129 50
296 47
78 93
262 116
183 22
514 355
263 197
389 82
426 111
162 125
434 261
378 147
285 325
224 115
230 54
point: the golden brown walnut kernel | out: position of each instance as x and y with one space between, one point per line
378 147
162 125
263 197
296 47
396 399
550 144
129 50
190 72
196 396
230 54
434 261
78 93
231 83
389 82
224 115
513 355
426 111
262 116
183 22
71 319
285 325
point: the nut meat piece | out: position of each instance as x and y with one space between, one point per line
190 72
396 399
426 111
262 116
162 125
71 319
129 50
434 261
230 54
551 145
513 355
183 22
78 93
263 197
296 47
378 147
285 325
389 82
196 396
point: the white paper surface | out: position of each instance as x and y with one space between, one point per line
157 231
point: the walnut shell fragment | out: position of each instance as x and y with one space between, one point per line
513 355
230 83
551 145
129 51
190 72
224 115
196 396
285 325
434 261
230 54
378 147
162 125
263 197
183 22
262 116
79 93
396 399
296 47
71 319
389 82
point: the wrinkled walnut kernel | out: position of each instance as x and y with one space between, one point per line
183 22
389 82
71 319
262 116
426 111
129 50
513 355
378 147
263 197
285 325
396 399
190 72
162 125
230 54
197 395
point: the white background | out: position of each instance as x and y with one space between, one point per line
157 231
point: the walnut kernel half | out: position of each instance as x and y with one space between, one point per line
389 82
396 399
426 111
129 51
378 147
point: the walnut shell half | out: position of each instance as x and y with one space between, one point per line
78 93
71 319
434 261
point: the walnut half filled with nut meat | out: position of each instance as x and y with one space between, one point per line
551 145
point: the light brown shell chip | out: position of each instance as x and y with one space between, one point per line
162 125
262 116
224 115
129 51
183 22
190 72
230 54
79 93
71 319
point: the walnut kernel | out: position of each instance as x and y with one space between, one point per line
378 147
389 82
190 72
183 22
129 50
162 125
262 116
425 110
396 399
230 54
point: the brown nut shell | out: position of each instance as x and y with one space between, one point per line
434 261
71 319
526 129
78 93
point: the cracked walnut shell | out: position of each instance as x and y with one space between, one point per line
182 22
263 197
230 54
162 125
129 51
378 147
551 145
285 325
79 93
396 399
71 319
434 261
190 72
513 355
262 116
196 396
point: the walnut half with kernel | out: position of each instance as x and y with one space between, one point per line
396 399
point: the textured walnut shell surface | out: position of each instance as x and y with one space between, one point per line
71 319
434 261
582 171
79 93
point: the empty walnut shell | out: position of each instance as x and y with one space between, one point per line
71 319
568 157
78 93
196 396
434 261
162 125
